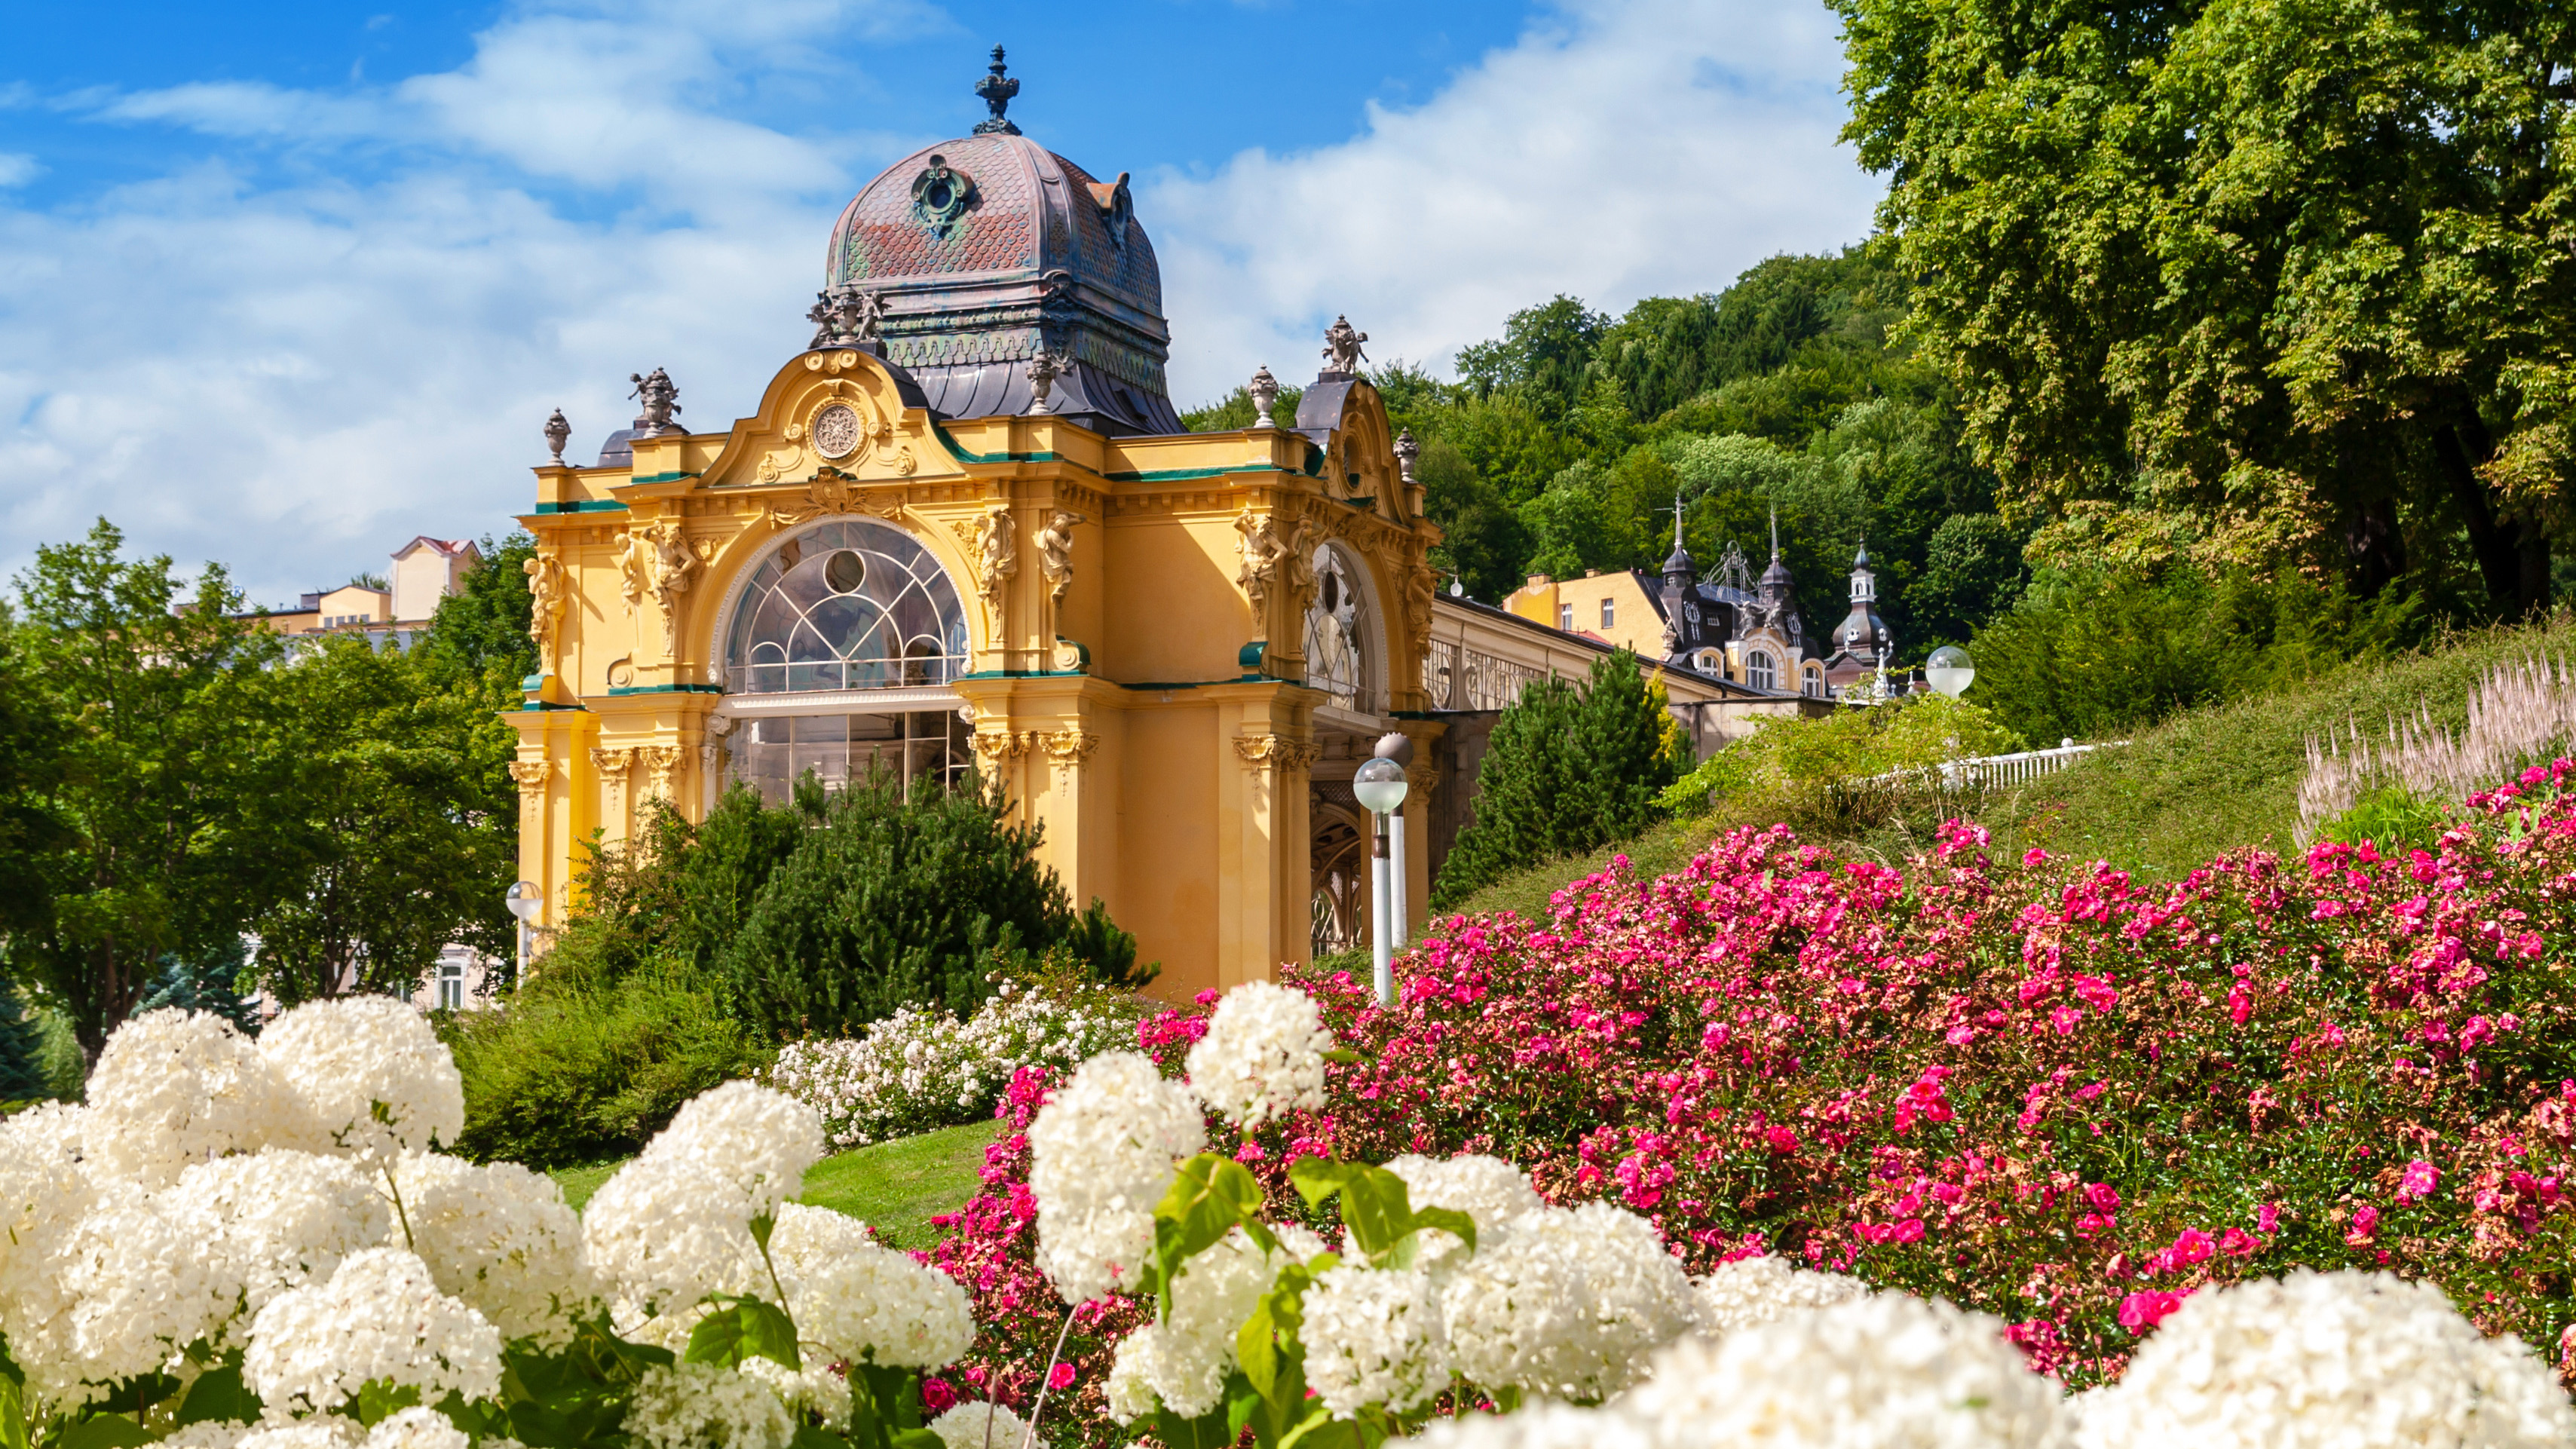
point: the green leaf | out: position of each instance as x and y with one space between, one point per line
1319 1178
809 1437
1207 1431
745 1329
1446 1219
105 1431
1342 1056
218 1396
379 1400
1209 1197
761 1227
1378 1209
923 1439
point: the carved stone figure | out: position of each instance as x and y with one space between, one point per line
1055 553
546 598
1044 368
661 399
558 433
1264 391
995 539
847 318
1342 354
658 561
1406 450
1259 550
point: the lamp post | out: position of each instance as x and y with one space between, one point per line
1950 670
1380 786
524 900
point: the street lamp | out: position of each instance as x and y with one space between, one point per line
1380 786
524 900
1950 670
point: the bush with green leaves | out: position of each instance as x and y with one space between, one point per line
1566 771
1853 767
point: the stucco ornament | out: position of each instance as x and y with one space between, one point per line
661 399
1055 553
1264 392
658 561
940 196
846 317
1342 352
546 599
1044 368
837 431
995 539
558 433
1263 550
1406 450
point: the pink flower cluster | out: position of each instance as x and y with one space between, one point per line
2045 1090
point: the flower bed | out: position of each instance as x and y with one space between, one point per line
921 1068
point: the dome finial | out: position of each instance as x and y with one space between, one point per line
997 90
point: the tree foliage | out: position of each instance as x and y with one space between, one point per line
1566 771
2261 283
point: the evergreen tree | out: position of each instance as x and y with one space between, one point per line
22 1045
208 981
1566 772
892 899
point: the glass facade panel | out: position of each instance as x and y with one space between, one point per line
772 752
848 604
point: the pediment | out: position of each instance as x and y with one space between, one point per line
832 414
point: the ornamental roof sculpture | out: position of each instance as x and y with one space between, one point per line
976 255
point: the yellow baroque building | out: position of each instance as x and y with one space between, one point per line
964 527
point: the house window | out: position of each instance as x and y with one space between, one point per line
1609 613
451 986
1565 617
1759 671
1814 687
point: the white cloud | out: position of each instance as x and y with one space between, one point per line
1621 151
295 376
18 168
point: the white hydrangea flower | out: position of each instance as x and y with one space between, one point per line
329 1431
284 1218
142 1281
1103 1152
44 1195
380 1316
863 1301
1488 1190
920 1068
976 1424
1759 1289
416 1428
500 1238
1541 1426
813 1389
757 1140
207 1434
2353 1360
1193 1347
1569 1306
1884 1371
1373 1338
1129 1393
664 1233
375 1081
1263 1055
696 1405
175 1087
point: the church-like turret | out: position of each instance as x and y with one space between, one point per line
1682 625
1863 632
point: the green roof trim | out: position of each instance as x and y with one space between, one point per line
659 478
1175 475
666 689
585 505
965 455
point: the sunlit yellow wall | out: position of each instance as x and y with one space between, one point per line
1170 776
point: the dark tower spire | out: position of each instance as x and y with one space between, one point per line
996 90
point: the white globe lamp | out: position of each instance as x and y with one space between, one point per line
1950 670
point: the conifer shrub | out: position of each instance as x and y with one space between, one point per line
1567 771
894 897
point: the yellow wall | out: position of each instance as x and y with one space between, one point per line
1636 625
1168 784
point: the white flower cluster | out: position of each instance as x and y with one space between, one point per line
2353 1360
696 1405
673 1227
375 1081
1759 1289
1488 1190
979 1425
380 1317
1102 1153
862 1301
1182 1361
1568 1305
1373 1338
922 1068
500 1238
1263 1055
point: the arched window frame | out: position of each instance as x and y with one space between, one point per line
933 656
1759 671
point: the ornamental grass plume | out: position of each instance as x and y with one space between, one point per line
1569 1306
373 1079
1263 1055
1103 1151
1883 1371
1762 1288
2351 1360
380 1318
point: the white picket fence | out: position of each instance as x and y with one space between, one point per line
1990 772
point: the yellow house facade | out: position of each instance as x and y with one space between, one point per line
964 527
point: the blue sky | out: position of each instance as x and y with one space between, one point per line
285 284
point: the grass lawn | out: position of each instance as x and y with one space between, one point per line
896 1187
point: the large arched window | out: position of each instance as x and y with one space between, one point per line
843 610
1759 671
1813 681
1337 630
850 604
